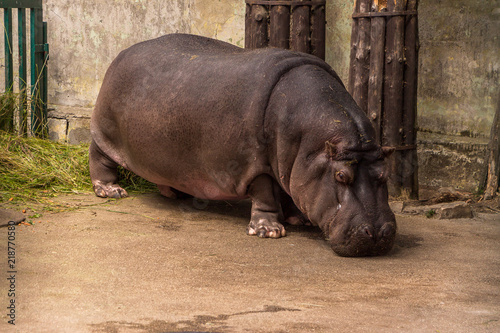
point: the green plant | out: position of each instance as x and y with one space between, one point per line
8 105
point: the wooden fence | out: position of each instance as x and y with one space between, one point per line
293 24
38 57
383 80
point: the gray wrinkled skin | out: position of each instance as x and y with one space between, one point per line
203 117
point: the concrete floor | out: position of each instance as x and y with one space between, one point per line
149 264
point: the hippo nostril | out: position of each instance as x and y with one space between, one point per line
387 230
368 231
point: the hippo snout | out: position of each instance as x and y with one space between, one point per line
364 240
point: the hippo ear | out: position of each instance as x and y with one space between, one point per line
331 149
387 151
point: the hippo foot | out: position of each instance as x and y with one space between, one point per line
266 229
109 190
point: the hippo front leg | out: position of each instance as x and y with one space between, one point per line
104 174
264 221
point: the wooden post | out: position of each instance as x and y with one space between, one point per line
393 90
387 35
354 47
260 19
280 27
256 19
409 156
300 28
9 63
376 75
7 105
298 25
362 58
492 174
38 117
248 27
318 25
23 80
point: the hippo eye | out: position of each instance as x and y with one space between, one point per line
341 177
382 177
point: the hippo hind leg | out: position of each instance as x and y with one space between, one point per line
266 211
104 174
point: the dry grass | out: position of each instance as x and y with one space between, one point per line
31 167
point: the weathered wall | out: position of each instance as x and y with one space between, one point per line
85 36
459 82
338 36
459 65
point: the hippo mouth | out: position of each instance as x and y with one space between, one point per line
349 238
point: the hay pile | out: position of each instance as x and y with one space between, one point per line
30 166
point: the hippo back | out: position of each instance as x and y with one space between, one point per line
173 93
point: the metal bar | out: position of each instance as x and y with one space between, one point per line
45 76
23 117
406 147
21 4
9 63
33 86
38 118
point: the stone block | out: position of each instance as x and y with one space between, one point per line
448 210
78 131
57 129
456 210
396 206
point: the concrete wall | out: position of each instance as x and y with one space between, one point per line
459 65
459 84
85 36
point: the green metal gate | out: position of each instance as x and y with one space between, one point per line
39 55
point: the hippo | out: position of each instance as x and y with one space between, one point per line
206 118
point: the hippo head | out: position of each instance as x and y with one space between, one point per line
345 193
